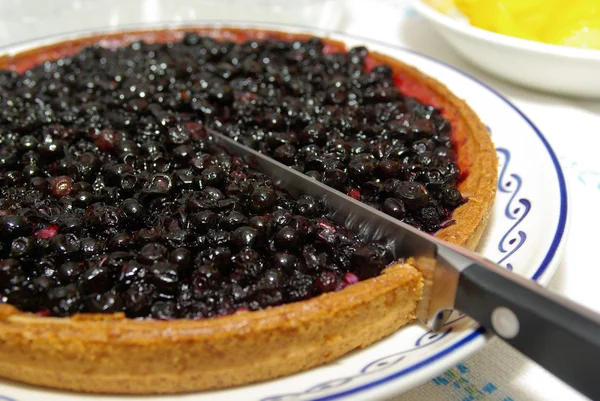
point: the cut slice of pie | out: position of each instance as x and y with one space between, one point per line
138 257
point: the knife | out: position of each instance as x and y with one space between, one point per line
558 334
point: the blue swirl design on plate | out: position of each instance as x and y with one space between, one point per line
516 210
376 366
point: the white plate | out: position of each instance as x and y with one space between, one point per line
560 69
525 233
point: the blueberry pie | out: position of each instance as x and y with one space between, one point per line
136 256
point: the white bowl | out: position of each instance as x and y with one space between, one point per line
559 69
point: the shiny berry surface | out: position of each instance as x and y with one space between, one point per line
113 197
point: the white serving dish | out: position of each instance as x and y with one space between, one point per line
551 68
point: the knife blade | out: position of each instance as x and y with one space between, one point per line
528 317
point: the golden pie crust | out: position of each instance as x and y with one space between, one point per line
114 354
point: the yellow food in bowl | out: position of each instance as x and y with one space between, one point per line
573 23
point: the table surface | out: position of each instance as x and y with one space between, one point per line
572 126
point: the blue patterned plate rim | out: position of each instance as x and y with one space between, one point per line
559 235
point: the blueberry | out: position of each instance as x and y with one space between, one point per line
152 252
394 207
132 210
185 179
335 178
120 241
269 298
164 310
212 176
203 221
360 171
302 225
388 168
279 219
64 300
368 262
383 71
50 151
261 224
65 243
91 246
211 193
28 142
285 154
313 133
22 246
192 39
14 226
244 237
272 279
159 183
221 258
422 146
100 215
429 218
165 277
70 224
287 239
83 199
70 271
131 272
413 194
178 136
107 139
299 287
182 238
217 238
95 279
451 196
31 171
262 200
138 299
284 261
39 183
182 257
108 302
232 221
146 236
326 281
307 206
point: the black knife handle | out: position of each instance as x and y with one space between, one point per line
556 333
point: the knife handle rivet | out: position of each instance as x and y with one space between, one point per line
505 322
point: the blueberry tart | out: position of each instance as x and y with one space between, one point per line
136 256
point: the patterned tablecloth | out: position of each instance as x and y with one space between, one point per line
571 126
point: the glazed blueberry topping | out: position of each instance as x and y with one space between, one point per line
190 252
327 115
114 199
